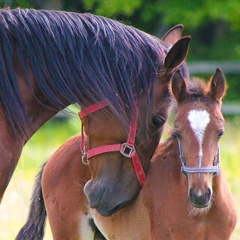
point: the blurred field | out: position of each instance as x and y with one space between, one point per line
15 205
14 208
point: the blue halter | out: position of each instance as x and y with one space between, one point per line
185 169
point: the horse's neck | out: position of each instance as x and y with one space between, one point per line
39 111
39 115
10 148
11 144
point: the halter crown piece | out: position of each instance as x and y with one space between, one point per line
127 149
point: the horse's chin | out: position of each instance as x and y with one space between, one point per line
106 213
107 199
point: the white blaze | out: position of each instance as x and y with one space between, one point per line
199 120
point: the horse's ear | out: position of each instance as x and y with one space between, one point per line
179 87
176 55
218 85
173 35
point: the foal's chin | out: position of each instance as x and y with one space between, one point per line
199 210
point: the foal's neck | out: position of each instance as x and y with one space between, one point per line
167 149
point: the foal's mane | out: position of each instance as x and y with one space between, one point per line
197 89
74 58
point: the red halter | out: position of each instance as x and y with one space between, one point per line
126 149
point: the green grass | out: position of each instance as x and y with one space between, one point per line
230 155
14 208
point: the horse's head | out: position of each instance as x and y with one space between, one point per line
118 170
199 125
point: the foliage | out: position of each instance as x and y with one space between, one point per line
111 8
198 12
191 13
213 25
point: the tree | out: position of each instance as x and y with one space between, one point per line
191 13
214 25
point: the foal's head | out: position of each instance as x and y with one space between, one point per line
114 180
199 124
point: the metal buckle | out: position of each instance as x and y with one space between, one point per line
84 157
127 150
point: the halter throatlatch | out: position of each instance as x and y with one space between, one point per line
185 169
127 149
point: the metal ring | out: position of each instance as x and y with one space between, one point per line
84 158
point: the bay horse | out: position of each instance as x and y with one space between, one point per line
51 59
185 196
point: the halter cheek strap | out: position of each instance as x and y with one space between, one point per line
126 149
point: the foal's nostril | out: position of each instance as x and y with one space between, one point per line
208 193
191 194
200 199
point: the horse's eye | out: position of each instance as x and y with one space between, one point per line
178 135
220 134
158 121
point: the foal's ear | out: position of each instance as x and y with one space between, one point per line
173 35
218 85
176 55
179 87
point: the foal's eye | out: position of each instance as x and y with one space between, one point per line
157 121
178 135
220 134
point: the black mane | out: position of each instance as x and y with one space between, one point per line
75 58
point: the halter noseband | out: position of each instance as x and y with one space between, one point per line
126 149
185 169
